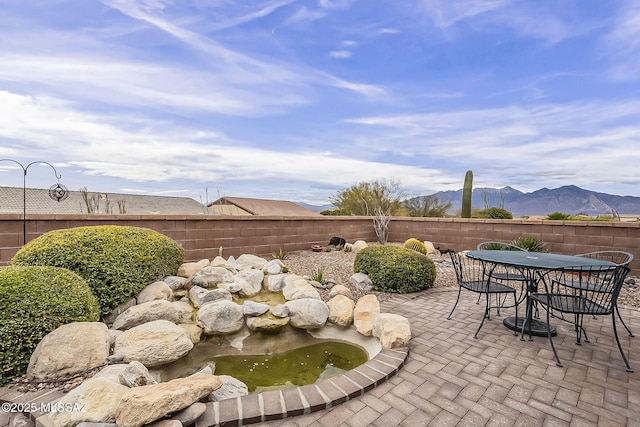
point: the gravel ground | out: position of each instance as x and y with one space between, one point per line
337 266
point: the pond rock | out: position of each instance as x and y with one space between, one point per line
273 267
297 287
267 324
307 313
154 343
231 388
97 398
275 282
341 310
143 405
155 291
135 374
211 277
252 308
245 261
70 349
188 269
364 313
250 281
146 312
393 330
221 317
200 296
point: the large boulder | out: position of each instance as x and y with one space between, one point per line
221 317
252 308
184 311
143 405
188 269
147 312
361 281
267 324
154 291
307 313
297 287
200 296
135 374
154 343
274 266
96 400
364 313
250 261
341 310
358 245
275 282
250 281
211 277
393 330
69 350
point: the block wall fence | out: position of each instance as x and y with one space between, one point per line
202 236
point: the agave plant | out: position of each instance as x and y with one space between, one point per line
530 243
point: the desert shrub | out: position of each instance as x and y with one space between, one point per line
529 243
558 216
494 213
395 269
34 301
116 261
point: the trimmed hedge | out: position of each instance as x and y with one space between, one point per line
34 301
116 261
395 269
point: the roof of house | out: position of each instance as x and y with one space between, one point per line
246 206
39 202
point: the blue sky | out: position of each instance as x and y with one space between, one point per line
296 100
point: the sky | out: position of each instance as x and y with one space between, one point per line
298 100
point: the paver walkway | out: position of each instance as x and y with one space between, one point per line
451 379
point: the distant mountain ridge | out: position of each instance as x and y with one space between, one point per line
568 199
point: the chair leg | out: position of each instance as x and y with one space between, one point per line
622 321
456 304
553 347
615 333
515 304
486 315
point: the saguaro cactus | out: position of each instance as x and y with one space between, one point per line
467 191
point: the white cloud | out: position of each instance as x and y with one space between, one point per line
622 44
340 54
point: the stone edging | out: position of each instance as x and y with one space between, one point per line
270 405
280 404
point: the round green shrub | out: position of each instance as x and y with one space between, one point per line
558 216
34 301
494 213
396 270
116 261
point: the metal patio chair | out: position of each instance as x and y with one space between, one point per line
618 258
588 291
476 276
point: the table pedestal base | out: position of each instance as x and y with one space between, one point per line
538 328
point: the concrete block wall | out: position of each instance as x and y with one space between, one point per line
202 236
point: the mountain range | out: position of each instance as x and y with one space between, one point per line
567 199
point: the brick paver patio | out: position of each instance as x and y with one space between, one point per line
451 379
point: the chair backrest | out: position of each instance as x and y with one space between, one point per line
499 246
600 287
470 271
616 257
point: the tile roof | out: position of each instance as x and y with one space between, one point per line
39 202
261 207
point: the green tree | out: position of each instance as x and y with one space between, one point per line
366 198
424 206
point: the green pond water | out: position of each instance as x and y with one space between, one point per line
298 367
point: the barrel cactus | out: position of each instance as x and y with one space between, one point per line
415 245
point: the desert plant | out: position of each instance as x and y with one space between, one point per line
116 261
415 245
558 216
281 255
529 243
467 192
494 213
318 276
34 301
381 226
395 269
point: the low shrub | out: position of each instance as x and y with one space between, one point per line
558 216
34 301
395 269
494 213
116 261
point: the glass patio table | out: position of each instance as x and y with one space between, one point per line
533 265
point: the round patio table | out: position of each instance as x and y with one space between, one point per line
533 265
